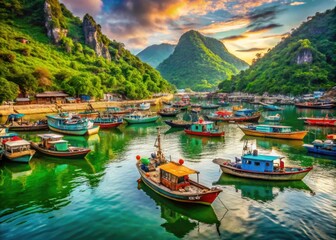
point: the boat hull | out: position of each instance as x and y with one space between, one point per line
177 125
292 135
204 134
21 157
108 125
321 151
321 122
141 120
272 176
28 128
198 198
74 154
80 132
170 114
324 106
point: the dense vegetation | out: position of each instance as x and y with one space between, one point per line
200 63
40 65
279 70
155 54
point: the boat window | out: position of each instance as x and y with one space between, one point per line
180 180
267 164
257 163
248 162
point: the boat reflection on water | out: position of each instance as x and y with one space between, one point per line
261 190
17 171
181 218
141 129
272 142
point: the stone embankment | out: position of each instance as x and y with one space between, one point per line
5 110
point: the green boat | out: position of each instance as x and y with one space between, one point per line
136 118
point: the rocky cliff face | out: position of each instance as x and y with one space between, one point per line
305 56
55 32
93 35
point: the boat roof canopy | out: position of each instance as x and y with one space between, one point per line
266 158
17 143
274 126
58 141
177 169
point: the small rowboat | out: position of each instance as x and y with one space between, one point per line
231 119
141 118
275 118
327 147
273 131
15 123
320 121
204 128
108 121
54 145
169 112
315 105
257 166
171 179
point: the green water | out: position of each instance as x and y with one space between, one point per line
99 197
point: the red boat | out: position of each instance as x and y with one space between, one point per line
204 128
326 121
315 105
108 121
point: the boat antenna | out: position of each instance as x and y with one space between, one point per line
159 153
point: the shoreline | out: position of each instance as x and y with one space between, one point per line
30 109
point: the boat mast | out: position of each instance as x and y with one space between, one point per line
159 153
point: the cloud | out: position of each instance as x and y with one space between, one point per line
233 38
264 28
276 36
81 7
251 50
296 3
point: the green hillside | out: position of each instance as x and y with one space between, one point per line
200 63
155 54
66 63
303 62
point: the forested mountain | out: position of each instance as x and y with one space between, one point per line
302 62
44 47
155 54
199 62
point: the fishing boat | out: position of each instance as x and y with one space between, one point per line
107 120
119 111
136 117
317 105
169 112
18 151
89 112
259 166
320 121
244 112
273 131
54 145
233 119
15 122
167 103
181 105
327 147
209 106
273 118
204 128
178 123
270 107
71 124
171 179
144 106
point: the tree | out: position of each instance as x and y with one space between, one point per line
8 90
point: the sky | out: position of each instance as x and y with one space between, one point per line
246 27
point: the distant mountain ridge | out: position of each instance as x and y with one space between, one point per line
199 62
155 54
301 63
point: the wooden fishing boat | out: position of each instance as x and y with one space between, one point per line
136 118
327 147
209 106
181 105
320 121
169 112
273 118
89 112
244 112
178 123
107 120
273 131
144 106
258 166
119 111
204 128
54 145
171 179
15 122
18 151
233 119
317 105
71 124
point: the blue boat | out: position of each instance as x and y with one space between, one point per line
244 112
327 147
72 125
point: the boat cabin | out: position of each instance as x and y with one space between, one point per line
54 142
17 146
260 163
175 176
271 128
202 126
